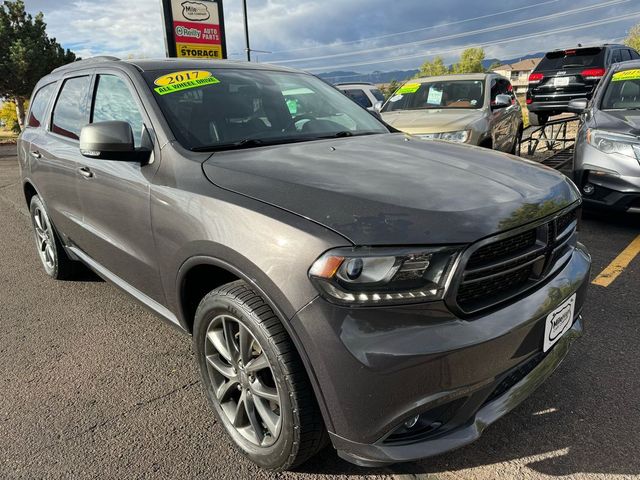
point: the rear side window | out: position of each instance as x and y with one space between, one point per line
71 113
359 97
616 56
39 105
114 101
578 57
634 55
626 55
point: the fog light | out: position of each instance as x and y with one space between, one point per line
588 189
412 422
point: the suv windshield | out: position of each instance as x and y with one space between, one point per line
577 57
623 91
438 95
218 109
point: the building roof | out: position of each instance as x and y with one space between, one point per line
522 65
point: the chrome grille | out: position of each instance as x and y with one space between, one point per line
499 269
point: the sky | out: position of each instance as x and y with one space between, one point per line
350 35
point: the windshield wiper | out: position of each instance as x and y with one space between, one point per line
246 143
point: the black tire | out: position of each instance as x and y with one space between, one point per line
53 257
538 120
302 432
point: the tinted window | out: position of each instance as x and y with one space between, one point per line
242 108
616 56
39 105
378 94
634 55
359 97
626 55
113 101
500 87
580 57
437 95
71 113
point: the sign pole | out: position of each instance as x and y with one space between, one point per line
246 29
194 29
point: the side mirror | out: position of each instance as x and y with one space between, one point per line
579 105
378 106
110 141
502 101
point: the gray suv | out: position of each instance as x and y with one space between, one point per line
341 282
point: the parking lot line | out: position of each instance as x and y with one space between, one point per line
622 261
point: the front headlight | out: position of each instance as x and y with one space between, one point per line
460 137
609 142
382 276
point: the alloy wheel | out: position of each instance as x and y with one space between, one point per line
243 381
44 238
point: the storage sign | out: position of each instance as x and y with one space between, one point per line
194 29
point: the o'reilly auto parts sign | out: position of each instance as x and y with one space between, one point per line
194 29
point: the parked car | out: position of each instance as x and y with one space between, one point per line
565 75
367 95
607 152
476 109
392 295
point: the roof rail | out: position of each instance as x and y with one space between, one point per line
352 83
87 61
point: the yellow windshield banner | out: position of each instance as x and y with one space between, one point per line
626 75
408 88
177 81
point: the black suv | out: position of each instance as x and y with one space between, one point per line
565 75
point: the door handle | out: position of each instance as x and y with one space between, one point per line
85 172
35 154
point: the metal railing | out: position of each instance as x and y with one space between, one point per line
552 137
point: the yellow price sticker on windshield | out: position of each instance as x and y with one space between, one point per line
177 81
626 75
409 88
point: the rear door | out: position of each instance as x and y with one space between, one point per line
567 74
54 152
115 194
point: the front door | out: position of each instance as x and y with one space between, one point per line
115 194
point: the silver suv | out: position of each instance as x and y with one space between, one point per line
367 95
476 109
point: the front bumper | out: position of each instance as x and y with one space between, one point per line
377 368
615 179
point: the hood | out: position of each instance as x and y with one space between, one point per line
394 190
432 121
618 121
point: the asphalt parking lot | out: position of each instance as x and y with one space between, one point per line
93 386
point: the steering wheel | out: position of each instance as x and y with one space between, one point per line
296 119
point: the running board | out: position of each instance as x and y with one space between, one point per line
149 302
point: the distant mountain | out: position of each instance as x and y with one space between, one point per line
401 75
488 62
374 77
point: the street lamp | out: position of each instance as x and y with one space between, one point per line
248 49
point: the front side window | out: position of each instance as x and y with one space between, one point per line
71 113
378 94
359 97
114 101
231 108
623 91
437 95
39 105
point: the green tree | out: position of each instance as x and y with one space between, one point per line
26 53
9 115
433 69
633 39
470 61
390 89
